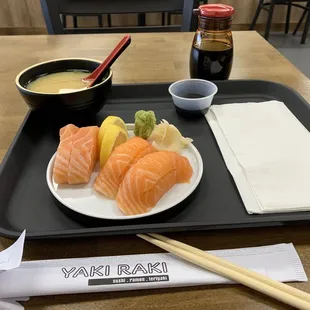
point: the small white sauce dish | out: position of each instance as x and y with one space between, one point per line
192 97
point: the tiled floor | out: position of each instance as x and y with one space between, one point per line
290 47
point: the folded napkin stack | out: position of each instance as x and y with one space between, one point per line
267 151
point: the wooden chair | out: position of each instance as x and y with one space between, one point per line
269 7
169 14
53 9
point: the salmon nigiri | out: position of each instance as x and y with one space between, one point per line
120 161
149 179
84 154
61 165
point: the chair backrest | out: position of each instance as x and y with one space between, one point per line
52 9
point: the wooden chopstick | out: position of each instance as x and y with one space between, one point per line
300 301
288 289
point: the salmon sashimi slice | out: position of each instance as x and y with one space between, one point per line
120 161
61 165
149 179
84 155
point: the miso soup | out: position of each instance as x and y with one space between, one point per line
53 83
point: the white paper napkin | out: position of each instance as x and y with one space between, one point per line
149 271
11 258
10 304
267 151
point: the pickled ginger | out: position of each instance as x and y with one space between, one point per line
167 137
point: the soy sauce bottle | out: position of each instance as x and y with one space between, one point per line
212 50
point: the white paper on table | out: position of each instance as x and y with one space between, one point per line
149 271
267 151
11 304
11 258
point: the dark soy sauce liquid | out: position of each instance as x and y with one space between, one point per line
214 62
191 96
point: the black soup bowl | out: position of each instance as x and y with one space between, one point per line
81 102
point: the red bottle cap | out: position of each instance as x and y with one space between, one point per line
216 10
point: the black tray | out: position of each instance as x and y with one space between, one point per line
26 203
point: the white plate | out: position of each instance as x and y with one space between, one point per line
84 199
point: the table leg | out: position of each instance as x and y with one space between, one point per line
288 16
141 19
300 21
269 21
75 24
306 29
258 10
109 20
100 22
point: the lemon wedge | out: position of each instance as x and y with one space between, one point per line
110 120
112 137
